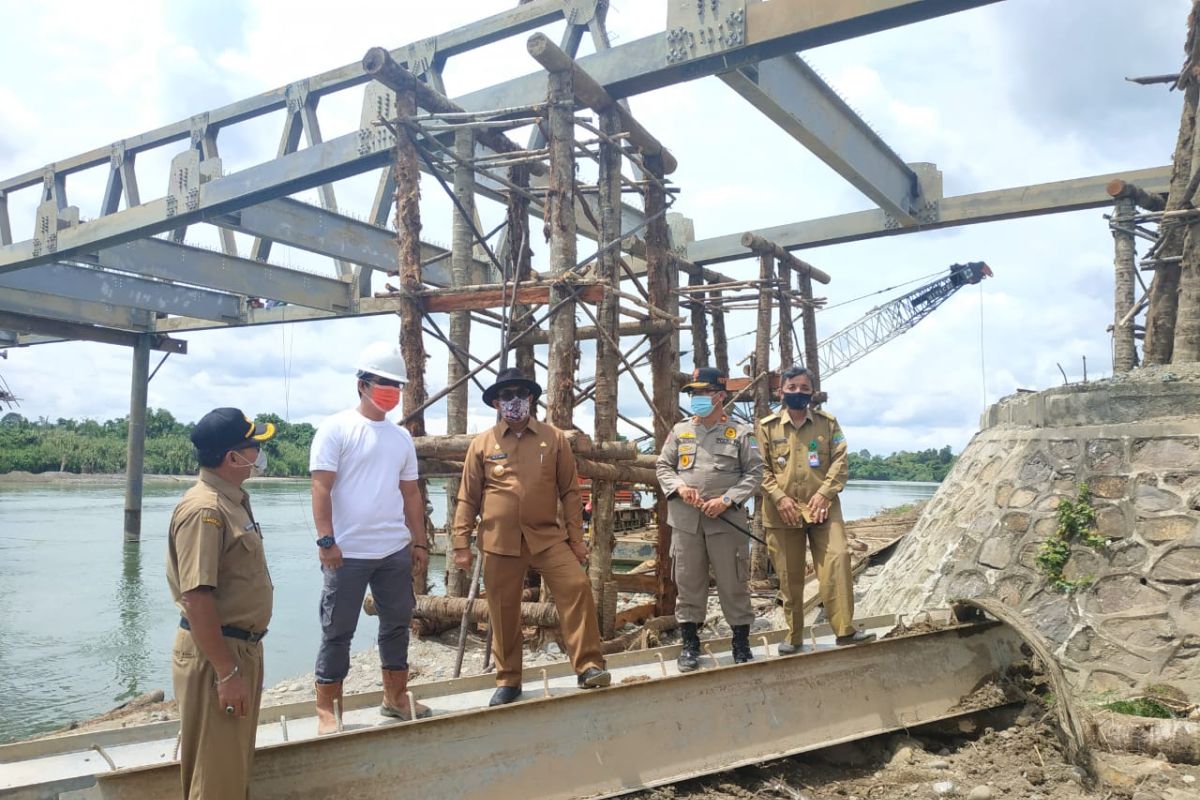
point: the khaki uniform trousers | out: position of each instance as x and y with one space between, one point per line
216 751
831 557
729 554
571 591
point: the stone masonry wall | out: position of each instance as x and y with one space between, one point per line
1136 444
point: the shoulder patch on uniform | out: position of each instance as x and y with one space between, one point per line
209 519
730 432
838 438
753 440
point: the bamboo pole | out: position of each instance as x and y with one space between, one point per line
462 248
412 341
1125 268
661 278
560 219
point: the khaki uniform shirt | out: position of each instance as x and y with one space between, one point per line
514 484
214 541
719 460
801 461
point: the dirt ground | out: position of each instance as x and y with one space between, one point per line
1011 754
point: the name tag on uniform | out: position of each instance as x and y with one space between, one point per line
497 456
814 458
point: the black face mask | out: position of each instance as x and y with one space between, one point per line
797 400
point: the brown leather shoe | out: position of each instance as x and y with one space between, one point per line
395 697
327 719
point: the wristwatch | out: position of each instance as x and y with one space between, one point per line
727 500
325 542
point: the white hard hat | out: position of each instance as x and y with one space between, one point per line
383 359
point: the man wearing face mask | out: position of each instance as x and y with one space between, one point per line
807 465
514 477
709 467
217 572
370 524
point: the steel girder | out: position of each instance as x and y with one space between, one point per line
83 312
793 96
20 331
1019 201
88 284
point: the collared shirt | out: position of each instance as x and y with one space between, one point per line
801 460
514 484
215 542
719 460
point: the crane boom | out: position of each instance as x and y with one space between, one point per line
883 323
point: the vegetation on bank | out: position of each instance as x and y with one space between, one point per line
98 448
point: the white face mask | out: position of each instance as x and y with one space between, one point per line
258 467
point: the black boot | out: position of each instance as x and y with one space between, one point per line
689 656
741 644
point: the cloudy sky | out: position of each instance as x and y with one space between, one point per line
1019 92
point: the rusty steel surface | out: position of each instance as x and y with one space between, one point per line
609 742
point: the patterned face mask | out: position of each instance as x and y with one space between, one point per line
516 409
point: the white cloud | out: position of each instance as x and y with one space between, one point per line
942 91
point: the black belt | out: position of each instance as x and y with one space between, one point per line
230 631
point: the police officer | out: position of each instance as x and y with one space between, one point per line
217 572
514 477
807 465
708 468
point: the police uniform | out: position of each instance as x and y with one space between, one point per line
720 461
514 482
215 542
803 460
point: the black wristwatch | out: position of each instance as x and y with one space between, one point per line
325 542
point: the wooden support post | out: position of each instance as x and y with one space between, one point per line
560 219
720 341
1125 268
809 318
762 389
700 354
661 279
412 342
787 333
520 267
608 356
135 450
462 247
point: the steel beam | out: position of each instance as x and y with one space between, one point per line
967 209
51 306
793 96
175 262
36 330
491 29
637 735
93 285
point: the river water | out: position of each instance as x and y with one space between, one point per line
87 621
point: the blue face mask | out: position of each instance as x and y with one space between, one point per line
702 405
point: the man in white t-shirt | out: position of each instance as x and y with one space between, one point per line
370 524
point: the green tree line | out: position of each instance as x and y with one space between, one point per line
91 447
923 465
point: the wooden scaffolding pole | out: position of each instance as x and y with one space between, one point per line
560 220
661 279
521 259
720 341
608 356
787 333
762 388
462 247
808 316
1124 268
408 230
700 354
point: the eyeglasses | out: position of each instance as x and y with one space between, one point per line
387 382
704 392
515 394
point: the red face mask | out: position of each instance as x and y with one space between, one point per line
385 398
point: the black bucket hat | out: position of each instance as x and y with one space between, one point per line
510 377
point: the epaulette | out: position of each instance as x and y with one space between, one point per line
825 413
769 418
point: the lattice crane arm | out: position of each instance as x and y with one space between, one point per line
883 323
